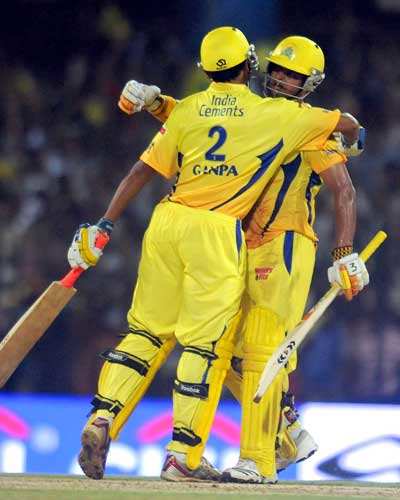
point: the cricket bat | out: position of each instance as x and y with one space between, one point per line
36 320
294 338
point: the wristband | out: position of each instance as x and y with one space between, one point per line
339 252
106 225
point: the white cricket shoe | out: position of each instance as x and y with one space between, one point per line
175 469
246 472
306 446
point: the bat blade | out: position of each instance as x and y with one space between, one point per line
31 326
292 342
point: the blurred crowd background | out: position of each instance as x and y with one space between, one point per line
64 146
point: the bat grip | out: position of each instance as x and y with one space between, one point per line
70 278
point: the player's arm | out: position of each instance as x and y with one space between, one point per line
352 136
313 126
83 251
348 270
139 175
136 96
160 157
339 183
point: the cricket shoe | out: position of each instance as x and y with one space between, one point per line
175 469
306 446
95 441
246 472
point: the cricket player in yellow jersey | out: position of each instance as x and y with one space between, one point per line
281 254
193 253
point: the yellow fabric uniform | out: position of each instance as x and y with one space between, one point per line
280 259
224 145
287 208
281 255
204 254
289 202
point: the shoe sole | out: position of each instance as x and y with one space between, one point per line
308 456
298 461
183 479
91 456
227 478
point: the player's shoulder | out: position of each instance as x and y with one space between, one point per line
283 103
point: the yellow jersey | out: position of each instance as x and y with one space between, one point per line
225 144
288 202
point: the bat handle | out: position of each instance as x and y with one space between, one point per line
373 245
70 278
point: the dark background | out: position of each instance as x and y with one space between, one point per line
64 146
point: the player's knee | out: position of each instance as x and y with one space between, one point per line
199 367
255 356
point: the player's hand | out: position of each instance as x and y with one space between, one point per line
135 96
88 243
354 149
350 274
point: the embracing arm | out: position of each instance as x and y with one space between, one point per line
136 96
349 127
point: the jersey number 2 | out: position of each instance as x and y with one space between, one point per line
210 154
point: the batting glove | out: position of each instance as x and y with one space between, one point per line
354 149
135 96
350 274
88 243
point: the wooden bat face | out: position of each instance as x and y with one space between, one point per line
31 326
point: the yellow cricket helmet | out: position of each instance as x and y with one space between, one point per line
223 48
302 55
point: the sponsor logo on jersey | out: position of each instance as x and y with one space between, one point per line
226 105
262 273
221 170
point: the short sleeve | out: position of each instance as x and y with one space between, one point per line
325 158
162 152
313 126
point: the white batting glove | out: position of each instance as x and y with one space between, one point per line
350 274
135 96
354 149
88 243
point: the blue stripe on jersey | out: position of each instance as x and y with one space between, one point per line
180 159
288 250
314 180
289 171
239 235
266 159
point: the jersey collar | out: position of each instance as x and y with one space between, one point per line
228 87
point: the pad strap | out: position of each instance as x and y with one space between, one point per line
186 436
99 402
126 359
192 390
